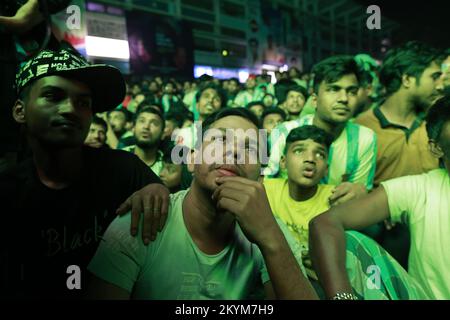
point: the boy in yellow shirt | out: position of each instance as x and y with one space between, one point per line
301 197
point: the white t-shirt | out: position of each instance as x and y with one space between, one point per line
173 267
423 202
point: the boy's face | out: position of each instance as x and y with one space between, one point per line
257 110
171 175
271 121
57 111
206 172
337 101
305 162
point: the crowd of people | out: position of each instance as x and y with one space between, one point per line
353 144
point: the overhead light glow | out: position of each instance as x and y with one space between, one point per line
107 48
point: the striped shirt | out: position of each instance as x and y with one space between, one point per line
352 156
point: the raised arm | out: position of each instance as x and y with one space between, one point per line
247 200
327 244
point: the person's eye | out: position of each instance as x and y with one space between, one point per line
320 155
298 151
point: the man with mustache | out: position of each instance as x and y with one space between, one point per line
148 129
411 75
204 250
353 152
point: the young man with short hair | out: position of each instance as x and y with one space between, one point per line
353 152
257 107
292 100
411 75
421 201
58 202
271 118
148 129
96 137
204 250
210 99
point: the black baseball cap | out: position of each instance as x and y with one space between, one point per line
106 82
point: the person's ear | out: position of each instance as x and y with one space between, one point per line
283 162
18 111
435 149
408 81
313 100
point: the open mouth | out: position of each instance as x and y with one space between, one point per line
308 172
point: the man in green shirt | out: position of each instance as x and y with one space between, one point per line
204 250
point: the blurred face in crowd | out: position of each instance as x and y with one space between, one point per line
336 101
225 85
57 111
159 80
250 83
169 128
186 86
268 100
293 73
139 98
445 68
205 174
135 89
233 87
171 175
169 89
117 121
96 137
270 121
257 109
294 102
305 162
209 102
428 89
148 130
153 87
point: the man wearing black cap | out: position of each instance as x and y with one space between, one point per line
59 202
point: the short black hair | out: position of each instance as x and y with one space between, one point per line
128 114
273 110
411 59
254 103
284 91
235 80
97 120
222 113
150 109
334 68
437 116
219 90
309 132
176 117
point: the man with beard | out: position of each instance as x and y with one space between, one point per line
411 75
96 137
292 101
148 130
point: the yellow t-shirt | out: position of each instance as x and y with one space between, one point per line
297 214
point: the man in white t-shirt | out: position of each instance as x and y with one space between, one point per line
422 202
204 250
